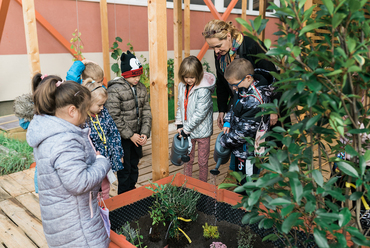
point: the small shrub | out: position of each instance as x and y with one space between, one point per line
210 232
246 238
132 235
217 245
172 202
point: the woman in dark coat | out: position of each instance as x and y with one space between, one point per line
229 43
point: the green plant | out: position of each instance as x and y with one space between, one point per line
246 238
77 45
170 77
116 55
210 232
132 235
325 80
170 204
18 157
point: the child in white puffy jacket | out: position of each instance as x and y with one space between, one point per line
194 116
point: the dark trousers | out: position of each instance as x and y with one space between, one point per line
127 177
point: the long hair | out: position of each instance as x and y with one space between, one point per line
55 93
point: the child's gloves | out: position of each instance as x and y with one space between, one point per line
183 134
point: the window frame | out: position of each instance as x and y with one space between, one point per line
219 5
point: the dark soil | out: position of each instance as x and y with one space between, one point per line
228 234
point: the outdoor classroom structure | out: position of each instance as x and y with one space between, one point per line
156 29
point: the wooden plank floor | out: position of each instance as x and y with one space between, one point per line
20 216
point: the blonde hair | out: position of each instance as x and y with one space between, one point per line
93 71
96 90
191 67
238 69
219 29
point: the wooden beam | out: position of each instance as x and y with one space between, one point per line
213 9
244 14
262 10
4 6
157 25
224 17
105 37
177 40
187 27
31 36
43 22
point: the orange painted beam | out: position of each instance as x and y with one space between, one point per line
52 31
214 12
4 6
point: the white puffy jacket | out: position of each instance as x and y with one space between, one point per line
199 121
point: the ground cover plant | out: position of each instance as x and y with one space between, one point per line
326 82
17 157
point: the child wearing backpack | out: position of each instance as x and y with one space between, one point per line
104 133
128 104
194 116
69 171
240 121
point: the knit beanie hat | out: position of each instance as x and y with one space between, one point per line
130 65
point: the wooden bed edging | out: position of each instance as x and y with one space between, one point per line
119 241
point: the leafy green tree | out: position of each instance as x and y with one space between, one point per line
324 80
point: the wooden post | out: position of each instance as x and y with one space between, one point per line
262 9
157 25
105 37
187 27
244 13
31 36
177 33
4 6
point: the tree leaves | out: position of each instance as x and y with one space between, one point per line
348 169
290 222
318 177
320 238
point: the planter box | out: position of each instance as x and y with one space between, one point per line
141 193
135 203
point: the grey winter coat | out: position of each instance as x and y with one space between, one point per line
69 178
122 107
199 121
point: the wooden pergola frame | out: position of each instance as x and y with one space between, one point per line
157 51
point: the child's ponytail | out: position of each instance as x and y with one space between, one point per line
56 93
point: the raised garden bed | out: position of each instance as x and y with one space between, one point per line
134 205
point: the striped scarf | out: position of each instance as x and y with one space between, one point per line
226 59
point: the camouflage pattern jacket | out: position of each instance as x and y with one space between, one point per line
241 118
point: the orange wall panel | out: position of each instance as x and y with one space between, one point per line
131 24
